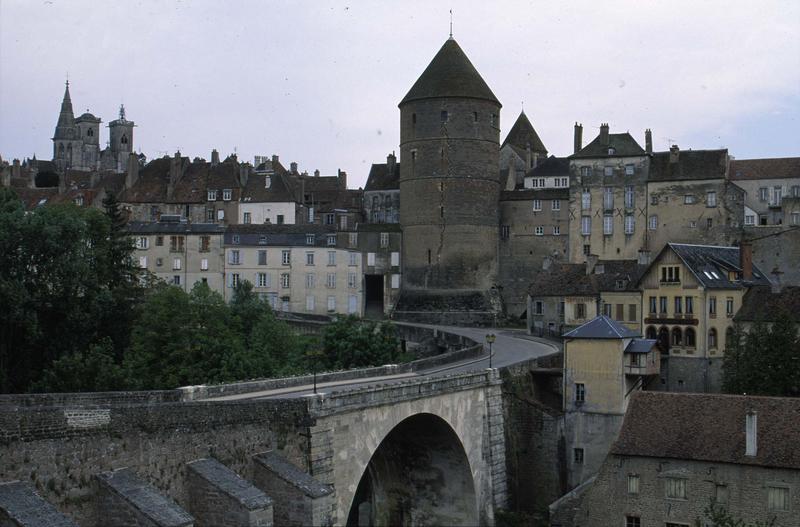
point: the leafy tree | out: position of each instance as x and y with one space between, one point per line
717 516
182 339
349 342
93 370
764 360
56 295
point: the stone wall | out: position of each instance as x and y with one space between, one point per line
776 246
690 374
58 449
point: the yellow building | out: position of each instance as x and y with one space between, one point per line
690 294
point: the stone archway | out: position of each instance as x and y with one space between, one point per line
418 475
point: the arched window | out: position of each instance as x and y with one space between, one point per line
712 339
690 338
663 338
651 332
124 140
90 132
677 337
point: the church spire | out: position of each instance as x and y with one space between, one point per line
66 118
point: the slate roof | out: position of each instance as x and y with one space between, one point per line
281 188
760 303
640 346
771 168
523 134
551 167
572 280
380 178
450 74
167 227
191 187
529 194
691 165
710 264
624 144
155 507
601 327
710 427
22 505
296 477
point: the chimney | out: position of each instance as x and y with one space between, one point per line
528 158
175 173
578 145
648 141
132 172
746 260
274 160
535 159
342 178
644 257
775 283
674 153
15 169
391 162
293 167
214 158
316 173
604 134
244 174
751 433
591 262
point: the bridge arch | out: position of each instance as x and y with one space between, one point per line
419 474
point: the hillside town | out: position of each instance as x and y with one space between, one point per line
643 273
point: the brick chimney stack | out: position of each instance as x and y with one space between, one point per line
648 141
674 154
342 179
391 162
214 158
746 260
132 170
604 134
578 142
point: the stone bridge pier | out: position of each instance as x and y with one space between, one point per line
425 452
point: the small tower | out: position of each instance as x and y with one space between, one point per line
449 177
121 132
89 131
66 139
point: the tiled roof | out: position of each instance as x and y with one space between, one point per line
706 427
602 327
710 264
691 165
523 134
381 179
192 186
450 74
774 168
572 280
760 303
640 346
551 167
624 145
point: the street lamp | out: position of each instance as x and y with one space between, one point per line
314 356
490 338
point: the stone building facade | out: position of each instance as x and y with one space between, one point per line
678 453
382 192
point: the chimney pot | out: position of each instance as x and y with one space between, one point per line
648 141
674 153
274 159
293 167
604 134
316 173
578 142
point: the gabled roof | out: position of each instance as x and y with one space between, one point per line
710 427
523 134
771 168
710 264
623 144
760 303
280 188
602 327
691 165
380 178
572 280
450 74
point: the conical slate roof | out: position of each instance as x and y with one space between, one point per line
450 74
66 118
522 134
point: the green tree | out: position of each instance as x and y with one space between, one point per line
764 360
350 342
182 339
93 370
56 295
717 516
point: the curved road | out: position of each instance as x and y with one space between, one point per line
510 347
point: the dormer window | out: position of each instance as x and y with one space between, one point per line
212 195
262 240
235 239
612 150
267 182
226 194
90 132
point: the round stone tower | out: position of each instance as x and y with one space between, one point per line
449 176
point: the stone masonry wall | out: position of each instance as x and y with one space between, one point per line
59 449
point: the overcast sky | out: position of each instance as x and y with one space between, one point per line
319 82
